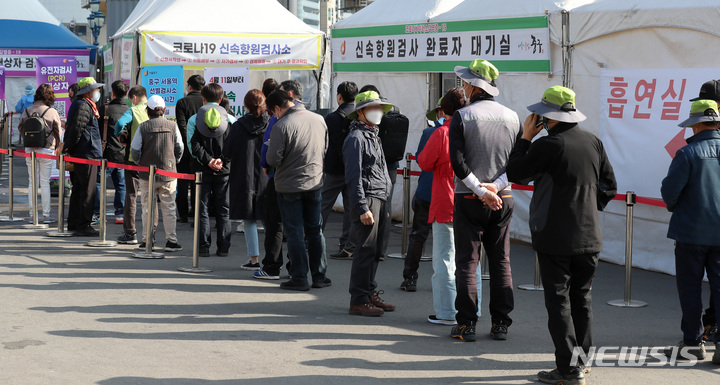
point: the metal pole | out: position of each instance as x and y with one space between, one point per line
61 203
102 242
537 285
628 301
405 209
196 232
11 203
33 195
150 221
484 269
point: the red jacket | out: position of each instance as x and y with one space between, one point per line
435 157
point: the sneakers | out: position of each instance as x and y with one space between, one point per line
296 286
709 333
554 377
343 255
204 252
47 219
262 274
681 351
143 246
433 319
240 228
319 285
172 246
128 239
499 332
716 355
378 302
119 220
87 232
366 310
222 253
95 219
465 332
251 266
409 284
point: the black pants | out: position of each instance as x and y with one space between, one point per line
367 252
567 281
475 225
273 261
82 199
692 262
709 318
419 235
217 185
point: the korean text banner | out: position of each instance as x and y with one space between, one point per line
235 82
60 73
639 124
2 84
513 45
232 50
126 55
21 62
166 81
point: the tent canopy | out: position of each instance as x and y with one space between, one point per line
28 25
388 12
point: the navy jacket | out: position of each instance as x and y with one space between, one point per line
366 173
337 124
82 136
691 191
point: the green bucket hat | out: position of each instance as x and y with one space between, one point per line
87 84
212 120
702 111
366 99
432 114
558 103
480 73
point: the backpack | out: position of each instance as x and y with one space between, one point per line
346 123
394 129
35 129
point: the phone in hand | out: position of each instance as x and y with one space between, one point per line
541 120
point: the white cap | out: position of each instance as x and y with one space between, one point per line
156 101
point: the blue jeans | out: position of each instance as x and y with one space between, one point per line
251 238
691 264
302 222
118 178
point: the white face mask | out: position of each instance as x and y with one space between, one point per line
465 96
374 116
96 96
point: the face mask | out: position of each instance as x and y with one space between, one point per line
465 95
96 96
374 116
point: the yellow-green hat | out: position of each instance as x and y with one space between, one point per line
87 84
480 73
701 111
212 120
432 114
558 103
366 99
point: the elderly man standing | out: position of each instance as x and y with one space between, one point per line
573 180
690 192
298 143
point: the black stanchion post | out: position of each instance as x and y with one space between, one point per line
150 221
11 199
61 203
33 195
196 234
102 242
628 301
536 285
405 209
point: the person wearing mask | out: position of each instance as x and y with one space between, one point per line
207 132
368 184
82 140
247 180
158 142
43 113
334 179
27 100
114 150
187 107
573 180
297 147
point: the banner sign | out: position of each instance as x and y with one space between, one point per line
166 81
60 73
107 57
512 45
126 55
264 52
2 83
21 62
639 124
235 82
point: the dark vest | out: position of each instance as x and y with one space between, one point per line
158 146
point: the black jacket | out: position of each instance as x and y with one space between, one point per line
114 150
205 149
338 127
573 180
185 109
247 179
82 135
366 173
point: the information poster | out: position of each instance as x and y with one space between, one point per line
235 83
166 81
60 73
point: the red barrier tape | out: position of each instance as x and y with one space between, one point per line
618 197
83 161
3 151
175 175
129 167
45 156
412 157
22 154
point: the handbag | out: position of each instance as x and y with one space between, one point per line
69 167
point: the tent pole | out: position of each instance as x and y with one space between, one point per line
566 47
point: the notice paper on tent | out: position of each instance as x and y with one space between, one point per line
166 81
641 110
235 82
126 54
60 73
513 45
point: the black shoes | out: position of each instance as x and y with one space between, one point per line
296 286
87 232
554 377
172 246
325 283
204 252
128 239
464 332
499 332
222 253
409 284
343 255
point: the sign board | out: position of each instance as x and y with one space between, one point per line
126 55
60 73
234 81
166 81
2 83
22 62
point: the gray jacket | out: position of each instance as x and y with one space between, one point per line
298 143
366 172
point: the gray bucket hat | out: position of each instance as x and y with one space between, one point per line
366 99
701 111
480 73
212 120
558 103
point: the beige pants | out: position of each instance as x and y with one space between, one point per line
166 192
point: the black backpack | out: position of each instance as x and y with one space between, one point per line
394 129
35 129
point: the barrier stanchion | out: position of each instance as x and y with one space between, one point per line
536 285
61 203
630 200
196 232
405 209
33 195
11 199
102 242
483 261
150 220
